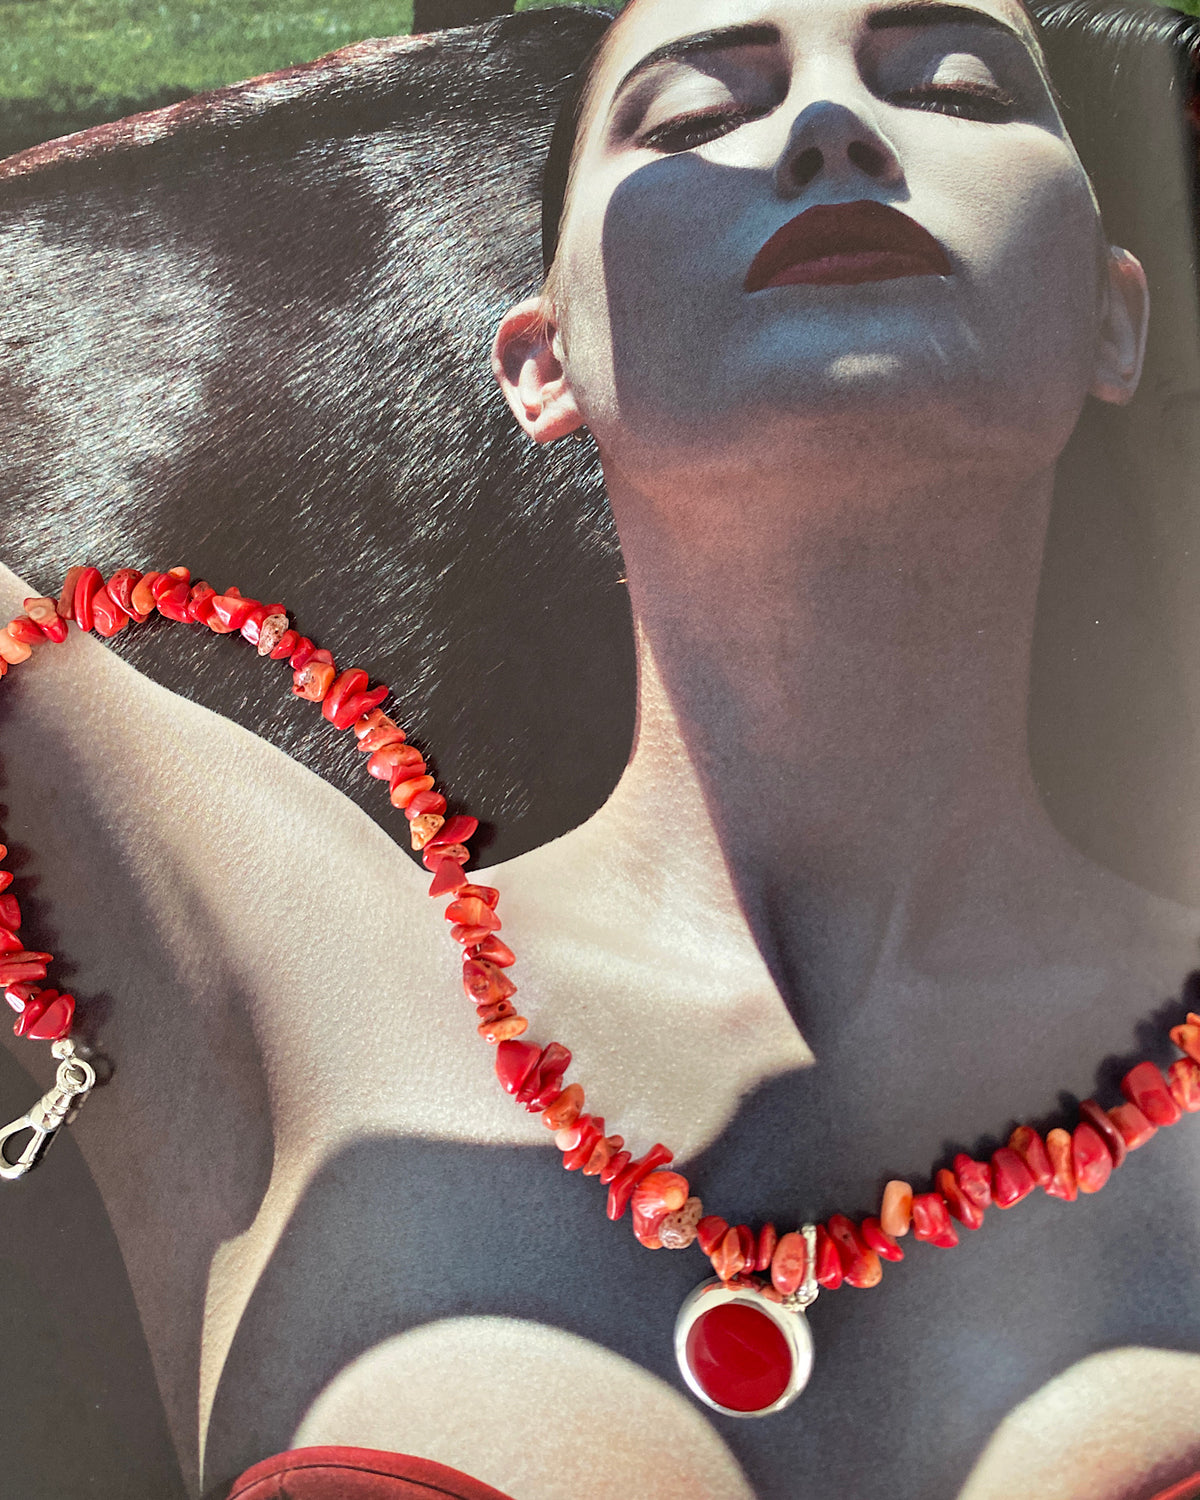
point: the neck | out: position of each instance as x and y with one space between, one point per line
846 676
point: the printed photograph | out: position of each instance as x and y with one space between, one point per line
600 747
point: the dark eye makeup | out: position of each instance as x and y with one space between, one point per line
965 100
686 132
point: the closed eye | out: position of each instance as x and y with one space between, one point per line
686 132
964 100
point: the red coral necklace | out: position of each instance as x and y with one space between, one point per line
741 1338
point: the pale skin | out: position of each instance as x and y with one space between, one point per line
832 513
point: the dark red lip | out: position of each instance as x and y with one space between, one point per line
842 244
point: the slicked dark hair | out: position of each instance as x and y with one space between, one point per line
250 332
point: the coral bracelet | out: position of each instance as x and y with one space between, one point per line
741 1337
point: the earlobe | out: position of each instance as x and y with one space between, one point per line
527 362
1122 341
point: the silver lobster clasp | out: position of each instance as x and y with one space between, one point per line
72 1084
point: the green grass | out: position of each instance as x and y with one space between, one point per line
66 64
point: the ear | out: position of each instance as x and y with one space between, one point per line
1124 318
527 363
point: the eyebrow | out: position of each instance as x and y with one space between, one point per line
906 13
698 44
938 13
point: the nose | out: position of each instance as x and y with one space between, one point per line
831 138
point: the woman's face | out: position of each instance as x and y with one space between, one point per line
827 212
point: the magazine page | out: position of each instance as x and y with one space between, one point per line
601 785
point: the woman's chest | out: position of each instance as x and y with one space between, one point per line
422 1289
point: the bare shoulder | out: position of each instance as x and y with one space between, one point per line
1117 1424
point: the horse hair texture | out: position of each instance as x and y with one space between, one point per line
249 332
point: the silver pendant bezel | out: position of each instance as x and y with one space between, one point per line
791 1321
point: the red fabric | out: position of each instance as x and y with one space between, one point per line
1186 1489
356 1474
364 1474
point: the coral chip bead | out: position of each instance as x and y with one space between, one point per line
86 584
1183 1079
382 764
710 1231
121 586
610 1173
55 1020
32 1011
1186 1036
141 596
24 967
565 1109
358 704
496 1012
447 878
345 685
514 1061
1060 1149
789 1263
108 619
495 951
1030 1147
24 630
860 1264
288 642
727 1258
484 983
621 1188
458 830
765 1249
1011 1178
882 1243
931 1219
968 1213
645 1226
1135 1129
553 1063
896 1213
1090 1158
603 1152
1145 1086
10 912
402 793
172 601
974 1177
12 650
660 1193
422 829
829 1271
435 854
66 598
44 614
199 603
426 802
228 612
503 1029
313 680
485 893
1097 1118
472 912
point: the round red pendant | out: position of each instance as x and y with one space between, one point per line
739 1356
740 1352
